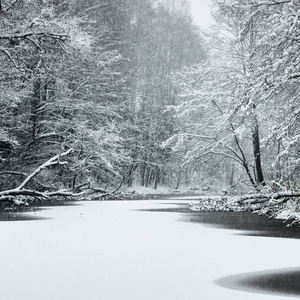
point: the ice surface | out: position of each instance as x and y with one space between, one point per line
112 251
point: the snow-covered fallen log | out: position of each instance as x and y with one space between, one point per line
258 198
20 194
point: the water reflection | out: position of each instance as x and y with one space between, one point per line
9 216
284 282
250 224
247 223
279 282
18 213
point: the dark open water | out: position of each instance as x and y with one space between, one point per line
278 282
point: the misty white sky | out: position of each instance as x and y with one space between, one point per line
201 12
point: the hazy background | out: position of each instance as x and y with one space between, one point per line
201 12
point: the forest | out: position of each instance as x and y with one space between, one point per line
101 94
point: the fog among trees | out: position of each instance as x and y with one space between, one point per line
135 94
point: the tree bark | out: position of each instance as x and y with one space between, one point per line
257 155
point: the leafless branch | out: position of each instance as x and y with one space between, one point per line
10 58
25 35
12 194
52 161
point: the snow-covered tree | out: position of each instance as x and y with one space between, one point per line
244 101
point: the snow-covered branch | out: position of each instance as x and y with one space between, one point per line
52 161
23 35
6 52
12 194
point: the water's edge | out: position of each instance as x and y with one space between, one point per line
273 282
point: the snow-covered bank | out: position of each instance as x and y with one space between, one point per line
284 206
112 251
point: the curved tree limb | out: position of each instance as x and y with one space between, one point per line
10 195
52 161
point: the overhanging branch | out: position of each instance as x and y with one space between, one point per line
12 194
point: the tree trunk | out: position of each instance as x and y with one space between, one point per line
34 106
243 158
257 155
231 176
142 170
147 176
156 177
178 180
246 167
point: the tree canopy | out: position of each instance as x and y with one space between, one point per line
238 113
93 76
144 97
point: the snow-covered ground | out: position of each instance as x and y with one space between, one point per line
112 251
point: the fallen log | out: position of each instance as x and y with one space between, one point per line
20 174
260 198
55 160
108 195
20 194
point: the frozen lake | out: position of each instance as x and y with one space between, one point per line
119 250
